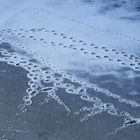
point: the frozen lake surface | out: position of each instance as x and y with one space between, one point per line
69 70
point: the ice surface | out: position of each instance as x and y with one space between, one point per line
92 45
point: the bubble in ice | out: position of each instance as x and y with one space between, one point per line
47 89
33 93
28 102
113 112
26 98
85 97
70 91
58 84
